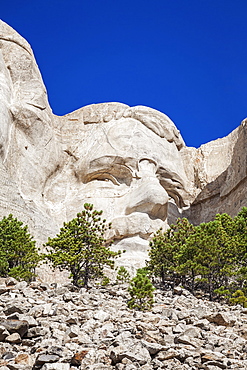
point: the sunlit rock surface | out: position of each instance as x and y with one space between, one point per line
131 162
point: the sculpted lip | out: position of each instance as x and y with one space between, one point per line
134 224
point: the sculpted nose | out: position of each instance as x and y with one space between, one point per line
148 196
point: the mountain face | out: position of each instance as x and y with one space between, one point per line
131 162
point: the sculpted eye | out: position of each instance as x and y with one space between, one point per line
104 177
117 174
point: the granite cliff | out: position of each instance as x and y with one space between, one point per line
131 162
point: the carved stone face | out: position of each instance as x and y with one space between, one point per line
129 172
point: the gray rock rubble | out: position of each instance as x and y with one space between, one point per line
58 328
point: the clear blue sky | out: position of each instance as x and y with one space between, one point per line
186 58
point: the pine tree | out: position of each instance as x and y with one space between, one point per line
18 254
123 275
167 250
80 247
238 297
241 253
210 256
141 292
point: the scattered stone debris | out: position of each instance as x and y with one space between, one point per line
43 327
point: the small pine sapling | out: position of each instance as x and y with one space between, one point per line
238 297
141 292
123 275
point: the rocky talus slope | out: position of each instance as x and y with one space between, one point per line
57 328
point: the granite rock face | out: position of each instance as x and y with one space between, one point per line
131 162
218 172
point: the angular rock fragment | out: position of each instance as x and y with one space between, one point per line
78 357
23 359
15 326
3 333
14 338
43 358
57 366
153 348
13 309
222 318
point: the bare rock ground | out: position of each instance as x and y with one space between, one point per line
60 328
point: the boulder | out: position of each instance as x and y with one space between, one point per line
15 326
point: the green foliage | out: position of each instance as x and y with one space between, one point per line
80 247
105 281
239 297
123 275
211 256
141 292
18 254
165 250
223 292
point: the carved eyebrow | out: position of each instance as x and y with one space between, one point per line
116 173
169 175
114 164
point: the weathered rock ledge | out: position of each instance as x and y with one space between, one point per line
57 328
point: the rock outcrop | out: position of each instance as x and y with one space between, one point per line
57 328
131 162
218 172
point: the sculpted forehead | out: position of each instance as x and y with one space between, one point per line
128 139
